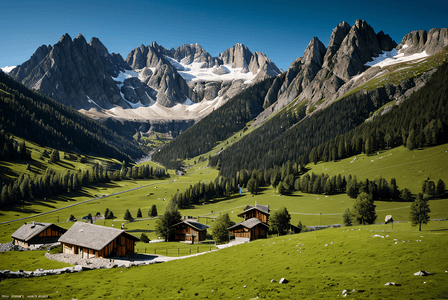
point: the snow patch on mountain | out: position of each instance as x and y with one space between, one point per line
7 69
196 71
122 76
393 57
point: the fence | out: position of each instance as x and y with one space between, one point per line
174 251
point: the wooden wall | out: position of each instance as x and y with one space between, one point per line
183 232
254 233
47 236
254 213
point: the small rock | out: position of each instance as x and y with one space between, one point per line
283 280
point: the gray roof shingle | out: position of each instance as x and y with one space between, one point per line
195 225
263 208
249 223
92 236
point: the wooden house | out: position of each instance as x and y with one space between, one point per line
89 240
252 229
260 212
36 233
190 231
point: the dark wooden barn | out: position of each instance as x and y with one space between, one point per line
89 240
36 233
252 229
190 231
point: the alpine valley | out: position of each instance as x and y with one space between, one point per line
351 138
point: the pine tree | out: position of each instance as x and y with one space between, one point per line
164 225
153 211
410 142
440 190
364 209
419 212
128 216
347 217
280 220
252 186
219 228
139 213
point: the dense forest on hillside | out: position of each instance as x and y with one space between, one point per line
37 118
217 126
340 130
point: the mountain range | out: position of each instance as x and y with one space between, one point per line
159 90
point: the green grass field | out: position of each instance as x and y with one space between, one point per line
352 259
28 261
409 168
316 264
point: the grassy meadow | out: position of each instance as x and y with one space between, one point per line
316 264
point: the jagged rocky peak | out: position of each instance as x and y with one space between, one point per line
260 61
314 52
145 56
98 46
337 36
357 48
386 42
73 72
23 70
238 56
419 41
189 53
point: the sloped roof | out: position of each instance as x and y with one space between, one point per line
29 230
92 236
249 223
195 225
262 208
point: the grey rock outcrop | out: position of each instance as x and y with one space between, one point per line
22 71
386 42
419 41
135 91
172 88
144 56
194 53
337 36
301 72
238 56
357 48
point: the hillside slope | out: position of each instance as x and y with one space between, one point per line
32 116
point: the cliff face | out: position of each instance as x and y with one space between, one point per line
73 72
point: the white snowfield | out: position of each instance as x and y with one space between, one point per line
393 57
188 110
7 69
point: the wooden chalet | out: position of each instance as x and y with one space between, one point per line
36 233
89 240
260 212
255 224
252 229
190 231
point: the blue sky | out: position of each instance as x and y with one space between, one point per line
280 29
